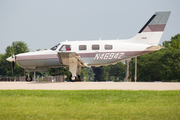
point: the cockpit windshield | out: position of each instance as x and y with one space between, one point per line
55 47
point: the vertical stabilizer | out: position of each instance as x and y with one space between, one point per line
152 31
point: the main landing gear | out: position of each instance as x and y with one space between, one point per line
75 69
75 78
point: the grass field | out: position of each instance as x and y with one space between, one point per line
89 104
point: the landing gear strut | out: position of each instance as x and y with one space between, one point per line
75 69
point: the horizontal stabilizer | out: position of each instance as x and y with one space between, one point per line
153 48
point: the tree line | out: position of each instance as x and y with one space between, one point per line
162 65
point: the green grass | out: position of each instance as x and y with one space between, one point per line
89 104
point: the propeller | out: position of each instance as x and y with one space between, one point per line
13 62
12 67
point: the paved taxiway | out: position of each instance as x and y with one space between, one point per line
89 86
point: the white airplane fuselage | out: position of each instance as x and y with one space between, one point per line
49 58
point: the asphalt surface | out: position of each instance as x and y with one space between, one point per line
90 86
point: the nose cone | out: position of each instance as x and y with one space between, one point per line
10 59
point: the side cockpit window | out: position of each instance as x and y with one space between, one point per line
65 48
55 47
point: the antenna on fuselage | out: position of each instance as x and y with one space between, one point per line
118 37
100 37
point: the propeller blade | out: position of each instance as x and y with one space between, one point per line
12 67
12 52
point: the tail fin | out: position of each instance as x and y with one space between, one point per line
152 31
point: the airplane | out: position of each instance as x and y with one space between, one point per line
75 54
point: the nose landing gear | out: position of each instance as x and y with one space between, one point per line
28 78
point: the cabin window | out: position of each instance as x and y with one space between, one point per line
82 47
108 47
65 48
95 47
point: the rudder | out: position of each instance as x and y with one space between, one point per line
152 31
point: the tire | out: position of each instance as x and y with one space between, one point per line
78 78
71 79
28 79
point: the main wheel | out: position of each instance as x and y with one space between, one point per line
78 78
72 78
28 79
75 79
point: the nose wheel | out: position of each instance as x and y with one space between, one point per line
28 78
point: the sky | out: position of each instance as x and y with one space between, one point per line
41 24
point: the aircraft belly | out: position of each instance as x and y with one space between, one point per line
91 61
109 58
39 63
